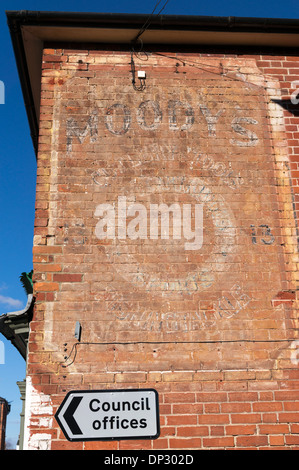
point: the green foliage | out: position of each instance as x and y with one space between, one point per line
27 283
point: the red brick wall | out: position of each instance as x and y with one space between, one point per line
212 329
3 418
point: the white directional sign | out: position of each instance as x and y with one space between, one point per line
88 415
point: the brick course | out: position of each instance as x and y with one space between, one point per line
213 330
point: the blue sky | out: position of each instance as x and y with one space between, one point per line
18 164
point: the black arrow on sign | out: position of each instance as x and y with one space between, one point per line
69 415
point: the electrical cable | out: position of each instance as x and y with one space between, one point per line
148 21
162 8
198 65
74 347
134 41
142 82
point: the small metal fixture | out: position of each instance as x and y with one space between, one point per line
78 330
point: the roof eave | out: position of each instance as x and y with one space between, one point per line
14 326
41 26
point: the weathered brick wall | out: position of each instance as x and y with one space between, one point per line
211 326
4 410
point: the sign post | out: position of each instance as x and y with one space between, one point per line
89 415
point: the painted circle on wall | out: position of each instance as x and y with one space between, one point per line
163 265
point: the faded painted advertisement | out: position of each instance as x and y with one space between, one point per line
169 198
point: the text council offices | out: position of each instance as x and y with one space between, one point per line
110 422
